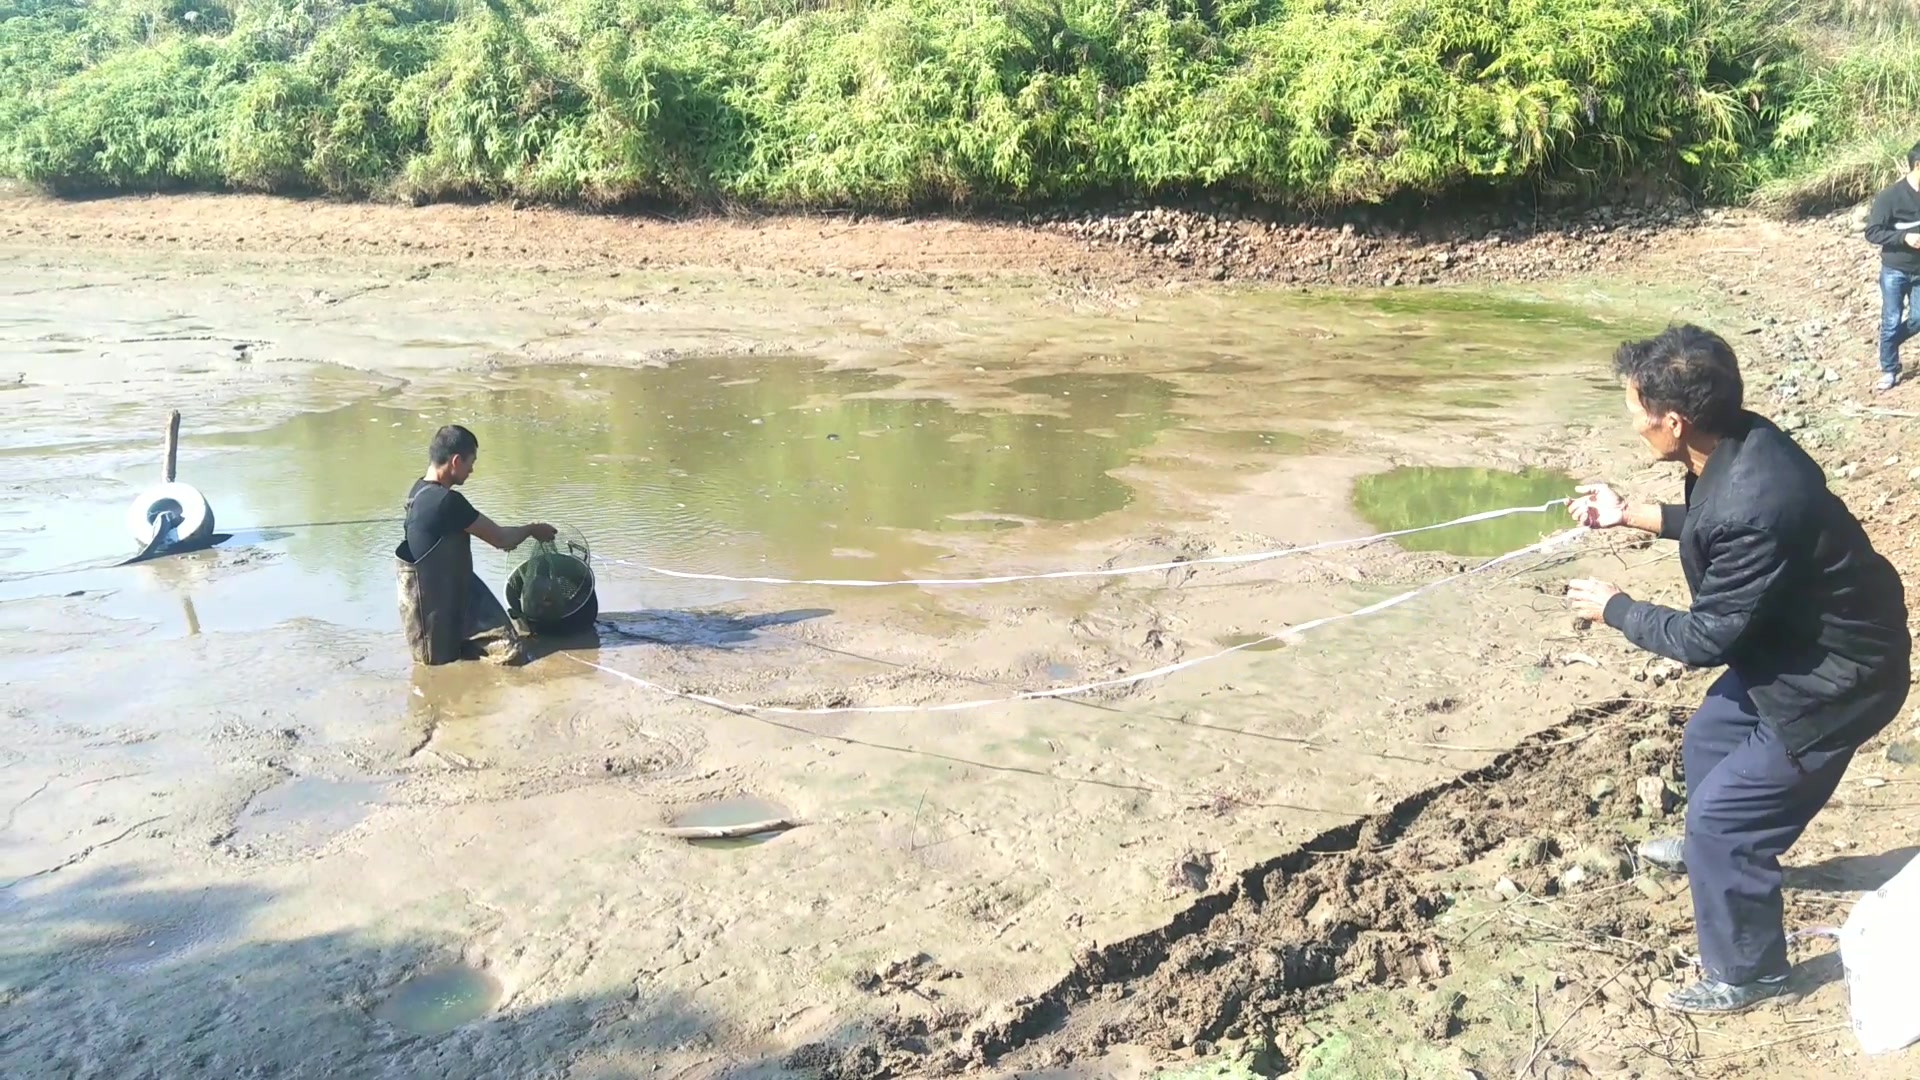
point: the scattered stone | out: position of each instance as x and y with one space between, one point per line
1656 798
1191 871
1649 750
1904 752
1601 1063
1602 788
1651 888
1534 851
1573 877
1507 890
1604 863
1443 1015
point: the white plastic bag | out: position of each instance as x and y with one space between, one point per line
1880 950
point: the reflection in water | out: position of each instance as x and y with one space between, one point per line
436 1002
729 465
724 464
1409 497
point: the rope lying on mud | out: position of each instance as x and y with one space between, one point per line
1288 634
1119 571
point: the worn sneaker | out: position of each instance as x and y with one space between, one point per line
1888 380
1668 853
1711 997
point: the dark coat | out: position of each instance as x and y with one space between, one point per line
1787 592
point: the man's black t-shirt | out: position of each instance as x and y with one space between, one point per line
435 511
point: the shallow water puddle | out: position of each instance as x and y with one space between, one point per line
1253 642
1413 496
438 1000
305 812
727 813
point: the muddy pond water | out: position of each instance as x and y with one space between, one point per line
779 465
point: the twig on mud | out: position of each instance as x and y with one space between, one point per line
31 795
1479 926
728 832
1466 749
1797 1037
1540 1047
1574 937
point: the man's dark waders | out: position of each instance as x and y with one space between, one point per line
447 611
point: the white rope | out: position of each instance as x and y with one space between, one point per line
1003 579
1083 688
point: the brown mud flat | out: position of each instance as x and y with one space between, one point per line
1354 906
1444 912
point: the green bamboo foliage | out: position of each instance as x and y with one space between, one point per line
897 103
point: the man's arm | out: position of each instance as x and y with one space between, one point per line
1661 519
1880 230
1744 568
507 537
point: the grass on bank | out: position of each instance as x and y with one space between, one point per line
899 103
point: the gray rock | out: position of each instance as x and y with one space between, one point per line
1656 798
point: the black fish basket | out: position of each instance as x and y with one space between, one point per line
553 593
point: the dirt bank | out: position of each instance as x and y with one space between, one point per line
1013 850
1137 247
1496 925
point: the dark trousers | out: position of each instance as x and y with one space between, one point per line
1748 800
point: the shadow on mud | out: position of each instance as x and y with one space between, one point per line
681 629
1850 873
106 973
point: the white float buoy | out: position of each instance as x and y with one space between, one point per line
170 507
192 516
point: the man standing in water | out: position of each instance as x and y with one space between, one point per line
1789 595
1893 226
448 612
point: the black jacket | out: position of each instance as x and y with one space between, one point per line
1895 213
1787 592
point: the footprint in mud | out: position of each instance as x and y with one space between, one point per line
140 948
438 1000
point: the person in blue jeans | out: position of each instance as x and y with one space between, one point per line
1893 226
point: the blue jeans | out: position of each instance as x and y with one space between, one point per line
1896 324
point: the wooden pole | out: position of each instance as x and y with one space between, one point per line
173 447
729 832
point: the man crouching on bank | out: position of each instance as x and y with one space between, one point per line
447 611
1788 594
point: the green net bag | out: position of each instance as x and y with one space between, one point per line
554 585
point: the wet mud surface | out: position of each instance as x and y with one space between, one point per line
221 774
